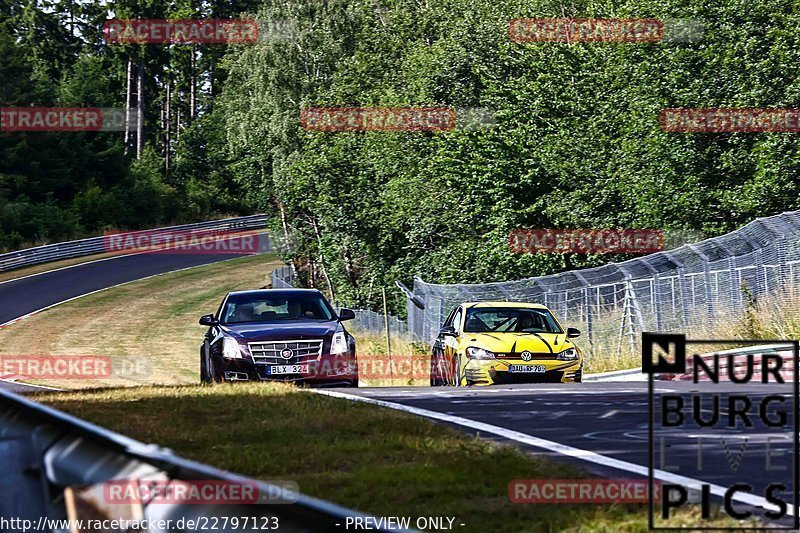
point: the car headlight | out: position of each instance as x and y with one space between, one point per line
231 349
570 354
339 343
474 352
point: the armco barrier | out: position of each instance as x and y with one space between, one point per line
48 455
96 245
738 358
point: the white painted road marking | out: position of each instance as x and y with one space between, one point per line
551 446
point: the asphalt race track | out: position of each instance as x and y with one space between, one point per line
611 419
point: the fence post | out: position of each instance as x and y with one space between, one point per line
589 323
657 302
587 308
783 266
733 274
761 275
682 289
388 342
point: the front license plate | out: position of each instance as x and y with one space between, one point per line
275 370
536 369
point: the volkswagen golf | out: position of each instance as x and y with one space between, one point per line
488 343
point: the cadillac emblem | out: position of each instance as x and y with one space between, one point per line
286 353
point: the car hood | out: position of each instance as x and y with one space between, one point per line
519 342
277 331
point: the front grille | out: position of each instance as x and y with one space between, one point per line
270 352
518 355
510 378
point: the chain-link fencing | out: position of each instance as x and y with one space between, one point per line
693 288
366 320
697 288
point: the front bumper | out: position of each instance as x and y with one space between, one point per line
327 369
497 371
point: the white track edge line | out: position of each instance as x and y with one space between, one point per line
26 276
12 382
570 451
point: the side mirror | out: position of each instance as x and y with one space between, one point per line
448 331
346 314
573 332
208 320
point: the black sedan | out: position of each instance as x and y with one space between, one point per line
278 335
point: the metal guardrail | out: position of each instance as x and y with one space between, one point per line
97 245
47 454
784 351
636 374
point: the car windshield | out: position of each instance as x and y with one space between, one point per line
248 308
507 319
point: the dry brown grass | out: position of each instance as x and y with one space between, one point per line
406 367
773 316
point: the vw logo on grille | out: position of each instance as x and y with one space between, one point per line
526 356
286 353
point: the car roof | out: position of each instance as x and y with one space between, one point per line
524 305
273 292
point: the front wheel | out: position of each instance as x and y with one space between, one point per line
440 376
206 365
455 378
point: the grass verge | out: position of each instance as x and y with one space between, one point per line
361 456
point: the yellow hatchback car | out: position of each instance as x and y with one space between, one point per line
485 343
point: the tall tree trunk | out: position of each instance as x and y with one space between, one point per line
192 86
322 265
140 110
167 123
128 104
285 227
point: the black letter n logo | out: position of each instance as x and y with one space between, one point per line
663 353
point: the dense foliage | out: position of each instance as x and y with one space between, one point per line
56 185
576 140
